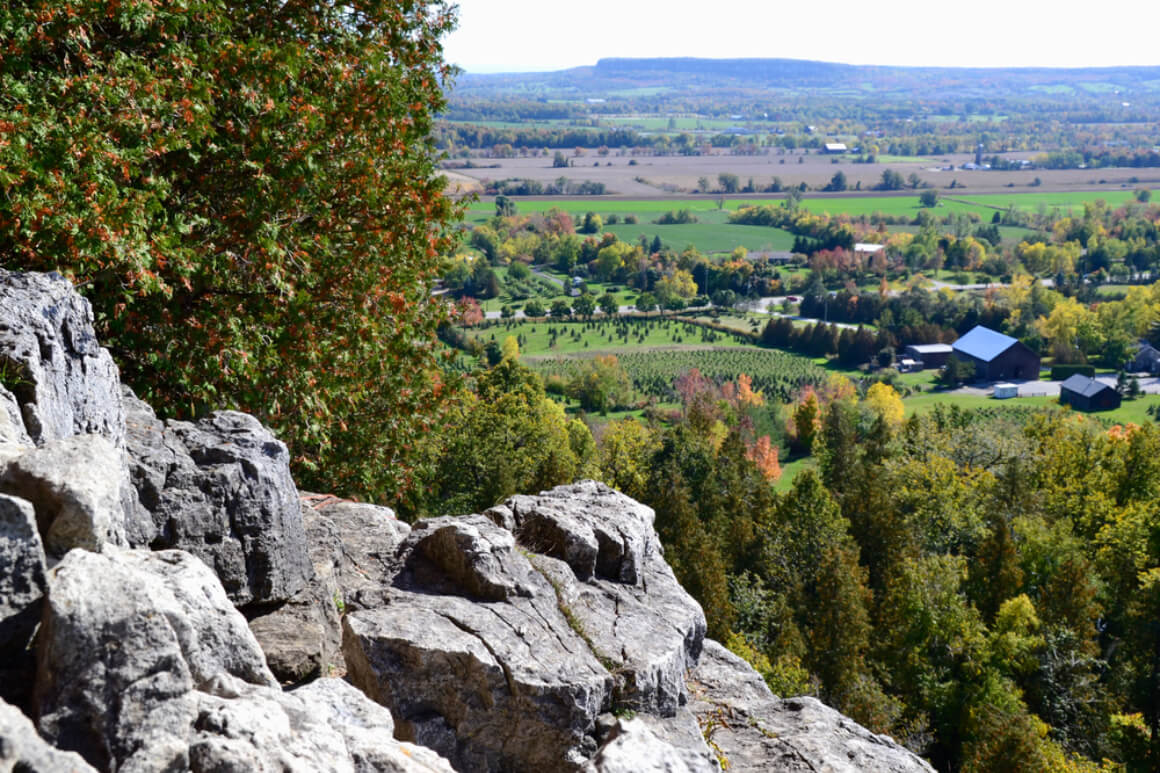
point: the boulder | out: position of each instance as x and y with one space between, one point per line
596 530
631 747
491 686
472 556
126 638
22 587
368 539
500 656
325 726
220 488
64 383
755 731
80 489
145 665
22 750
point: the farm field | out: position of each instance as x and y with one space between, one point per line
643 175
545 338
712 233
777 374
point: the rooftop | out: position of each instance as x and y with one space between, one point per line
983 343
931 348
1083 385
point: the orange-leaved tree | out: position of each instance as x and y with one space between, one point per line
247 193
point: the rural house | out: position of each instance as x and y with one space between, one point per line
930 355
996 357
865 251
1087 394
1146 360
835 147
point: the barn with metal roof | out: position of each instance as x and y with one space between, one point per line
996 356
930 355
1088 394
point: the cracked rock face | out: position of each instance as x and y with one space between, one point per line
22 570
353 550
221 489
302 638
80 489
501 657
144 665
595 530
62 381
756 731
22 587
325 726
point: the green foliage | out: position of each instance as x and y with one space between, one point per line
601 385
676 217
943 581
1063 372
250 201
504 437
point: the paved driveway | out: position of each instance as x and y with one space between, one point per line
1148 384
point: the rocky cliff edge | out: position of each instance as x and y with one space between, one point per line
170 601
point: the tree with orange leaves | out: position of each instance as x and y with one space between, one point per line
247 195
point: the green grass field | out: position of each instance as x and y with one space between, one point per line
714 234
708 237
1030 202
1131 411
907 205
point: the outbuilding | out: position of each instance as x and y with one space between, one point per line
930 355
835 147
1005 391
1088 394
996 357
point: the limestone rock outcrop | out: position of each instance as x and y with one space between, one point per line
756 731
521 638
145 665
23 567
80 489
221 489
352 549
501 656
62 381
631 747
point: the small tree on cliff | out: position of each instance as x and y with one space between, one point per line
247 194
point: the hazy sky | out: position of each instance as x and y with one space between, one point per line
515 35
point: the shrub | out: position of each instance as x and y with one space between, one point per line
1062 372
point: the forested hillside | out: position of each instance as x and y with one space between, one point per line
251 203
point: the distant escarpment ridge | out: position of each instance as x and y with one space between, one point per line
778 73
